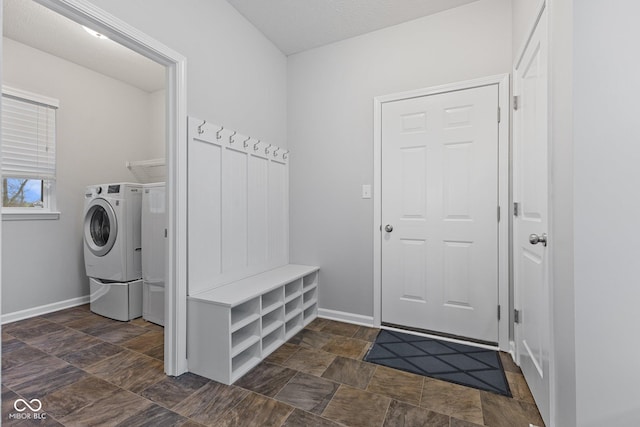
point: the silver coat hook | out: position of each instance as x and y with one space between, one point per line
218 136
285 155
266 150
200 130
255 146
245 142
275 152
231 141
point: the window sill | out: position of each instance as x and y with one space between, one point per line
30 216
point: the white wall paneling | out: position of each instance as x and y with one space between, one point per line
238 206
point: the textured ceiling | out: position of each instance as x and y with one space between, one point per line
298 25
34 25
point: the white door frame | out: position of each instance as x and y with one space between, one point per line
85 13
502 80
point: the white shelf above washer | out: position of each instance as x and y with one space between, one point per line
148 171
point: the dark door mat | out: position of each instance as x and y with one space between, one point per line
457 363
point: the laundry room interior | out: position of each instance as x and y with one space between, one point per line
319 213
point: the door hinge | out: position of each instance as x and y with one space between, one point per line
498 312
516 316
499 114
165 233
516 209
498 213
516 102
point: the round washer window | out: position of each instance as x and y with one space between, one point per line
100 227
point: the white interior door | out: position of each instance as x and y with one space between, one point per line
439 213
532 333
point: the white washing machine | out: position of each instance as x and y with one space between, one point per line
154 224
112 249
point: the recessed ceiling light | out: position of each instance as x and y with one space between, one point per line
95 33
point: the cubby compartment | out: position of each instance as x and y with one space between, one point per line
272 320
292 290
272 300
310 297
272 341
245 313
244 361
310 313
292 308
244 337
293 325
310 280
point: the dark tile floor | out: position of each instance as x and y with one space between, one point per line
92 371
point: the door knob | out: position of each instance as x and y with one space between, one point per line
388 228
534 239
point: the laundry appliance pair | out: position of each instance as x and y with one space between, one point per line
114 250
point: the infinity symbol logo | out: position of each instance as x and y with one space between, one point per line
37 405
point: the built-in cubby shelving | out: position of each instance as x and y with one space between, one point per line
235 326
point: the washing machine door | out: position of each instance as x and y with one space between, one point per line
100 227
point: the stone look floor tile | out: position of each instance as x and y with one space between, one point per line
75 396
461 423
500 411
68 315
129 370
255 411
366 334
519 388
311 339
92 355
63 342
308 392
266 378
156 352
145 341
347 347
32 370
508 364
300 418
172 390
396 384
13 327
154 416
317 324
402 414
313 362
357 408
27 334
211 401
38 387
121 333
347 330
452 399
21 356
109 411
283 353
351 372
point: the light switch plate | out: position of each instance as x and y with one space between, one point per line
366 191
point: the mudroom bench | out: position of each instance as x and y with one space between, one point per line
233 327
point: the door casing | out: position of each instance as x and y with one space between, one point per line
86 13
502 81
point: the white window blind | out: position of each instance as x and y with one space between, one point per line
28 135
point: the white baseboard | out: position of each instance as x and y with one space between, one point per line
43 309
342 316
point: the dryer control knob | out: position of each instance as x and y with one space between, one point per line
98 190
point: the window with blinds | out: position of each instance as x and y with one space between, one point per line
28 150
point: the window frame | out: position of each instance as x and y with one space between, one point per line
49 209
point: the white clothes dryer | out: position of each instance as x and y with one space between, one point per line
112 232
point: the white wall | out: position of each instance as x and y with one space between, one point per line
157 126
607 211
236 77
330 123
101 124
